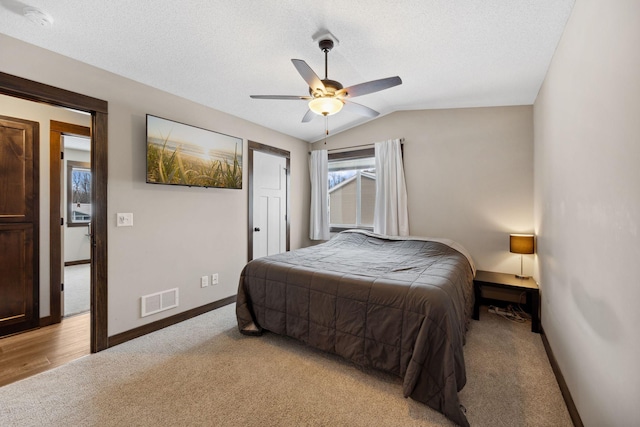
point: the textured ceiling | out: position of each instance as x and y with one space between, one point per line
449 53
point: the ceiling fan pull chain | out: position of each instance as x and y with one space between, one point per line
326 128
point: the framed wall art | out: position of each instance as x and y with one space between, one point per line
179 154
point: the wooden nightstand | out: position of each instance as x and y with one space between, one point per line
488 279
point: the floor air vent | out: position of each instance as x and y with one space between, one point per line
160 301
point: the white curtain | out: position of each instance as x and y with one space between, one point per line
390 216
319 219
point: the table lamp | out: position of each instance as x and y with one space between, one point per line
521 244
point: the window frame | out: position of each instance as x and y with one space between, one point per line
348 155
71 166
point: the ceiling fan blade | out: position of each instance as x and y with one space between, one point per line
309 115
285 97
359 109
308 75
369 87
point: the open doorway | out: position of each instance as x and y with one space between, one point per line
98 109
71 211
76 238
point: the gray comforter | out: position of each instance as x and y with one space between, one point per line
401 306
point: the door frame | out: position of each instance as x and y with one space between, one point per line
56 214
256 146
34 91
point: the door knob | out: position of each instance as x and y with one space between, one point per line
256 229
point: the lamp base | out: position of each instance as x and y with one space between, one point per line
521 275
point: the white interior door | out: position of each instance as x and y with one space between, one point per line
269 204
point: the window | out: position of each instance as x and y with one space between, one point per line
352 189
78 193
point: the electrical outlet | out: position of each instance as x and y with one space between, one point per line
204 281
214 279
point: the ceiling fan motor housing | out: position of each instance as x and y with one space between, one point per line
331 87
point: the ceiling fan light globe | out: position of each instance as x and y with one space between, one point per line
325 106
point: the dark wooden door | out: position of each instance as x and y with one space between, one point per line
19 216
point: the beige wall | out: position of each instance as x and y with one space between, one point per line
368 198
342 204
179 233
587 209
469 175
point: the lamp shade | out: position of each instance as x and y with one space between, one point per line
521 243
325 105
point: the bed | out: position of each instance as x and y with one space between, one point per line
401 305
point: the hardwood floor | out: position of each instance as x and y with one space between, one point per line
32 352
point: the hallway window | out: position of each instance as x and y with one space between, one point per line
78 193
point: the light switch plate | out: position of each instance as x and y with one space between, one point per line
124 219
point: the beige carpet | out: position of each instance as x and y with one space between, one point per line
202 372
77 289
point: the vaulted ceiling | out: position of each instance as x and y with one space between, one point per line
449 53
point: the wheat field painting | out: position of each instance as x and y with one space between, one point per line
180 154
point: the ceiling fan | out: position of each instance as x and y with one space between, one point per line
327 97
